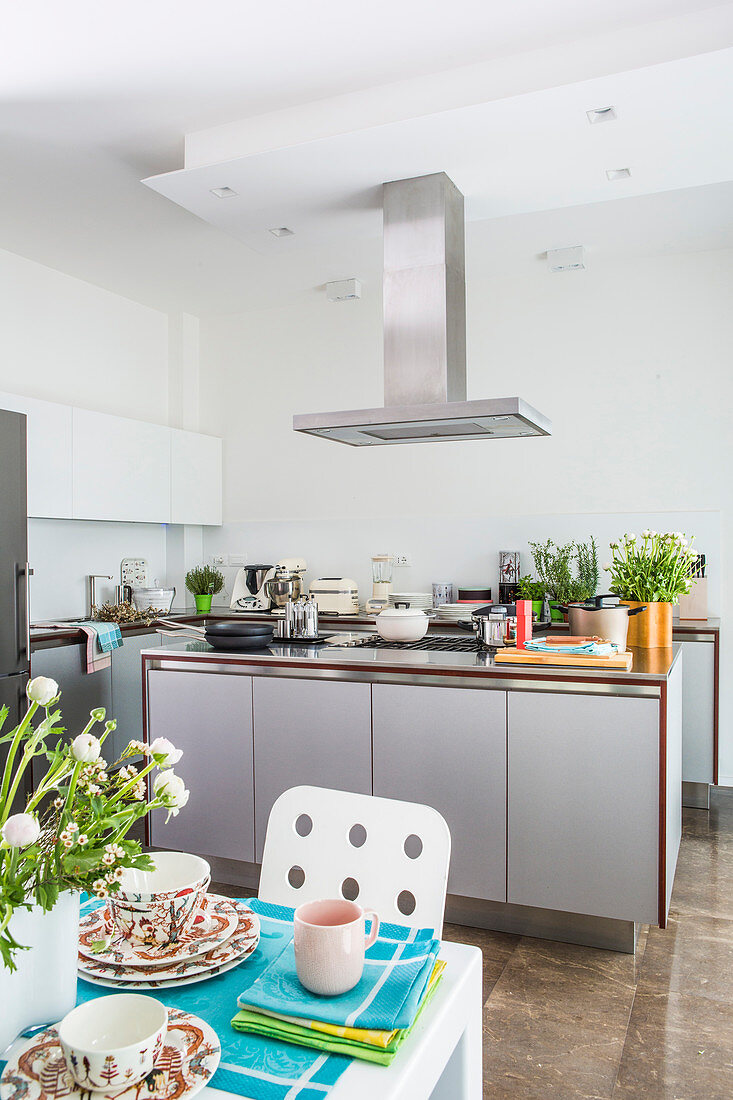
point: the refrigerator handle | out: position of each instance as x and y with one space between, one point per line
23 613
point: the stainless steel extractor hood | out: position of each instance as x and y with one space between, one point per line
425 334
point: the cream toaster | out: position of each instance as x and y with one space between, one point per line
335 595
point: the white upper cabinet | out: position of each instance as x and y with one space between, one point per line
49 455
121 469
89 465
195 478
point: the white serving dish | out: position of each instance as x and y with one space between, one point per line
396 624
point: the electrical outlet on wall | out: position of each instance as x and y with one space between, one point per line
401 560
238 559
219 560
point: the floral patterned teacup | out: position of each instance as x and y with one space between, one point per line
160 906
111 1043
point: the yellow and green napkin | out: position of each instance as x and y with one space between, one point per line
372 1045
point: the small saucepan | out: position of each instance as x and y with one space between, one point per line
592 619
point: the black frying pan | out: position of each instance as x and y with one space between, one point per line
237 630
239 643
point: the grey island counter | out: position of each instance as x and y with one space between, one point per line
561 787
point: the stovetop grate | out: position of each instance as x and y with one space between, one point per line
431 642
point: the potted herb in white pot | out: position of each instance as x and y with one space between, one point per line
70 837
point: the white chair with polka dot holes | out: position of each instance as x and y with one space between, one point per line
386 855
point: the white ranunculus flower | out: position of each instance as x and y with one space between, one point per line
85 748
42 689
631 538
171 789
161 746
646 534
20 830
606 565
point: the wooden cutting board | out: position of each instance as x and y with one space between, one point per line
572 660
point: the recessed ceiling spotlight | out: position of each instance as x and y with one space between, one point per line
601 114
223 192
282 231
618 173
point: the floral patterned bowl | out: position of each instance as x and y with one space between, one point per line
111 1043
158 907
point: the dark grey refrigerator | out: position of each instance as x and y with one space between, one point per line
14 569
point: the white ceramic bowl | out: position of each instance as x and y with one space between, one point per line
402 624
111 1043
157 906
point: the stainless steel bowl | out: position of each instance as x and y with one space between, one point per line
283 587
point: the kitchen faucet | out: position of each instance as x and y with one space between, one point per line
93 578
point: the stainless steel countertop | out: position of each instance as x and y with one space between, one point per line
651 667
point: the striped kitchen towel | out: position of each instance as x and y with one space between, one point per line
397 969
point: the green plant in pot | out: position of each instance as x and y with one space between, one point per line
568 573
203 582
652 571
529 589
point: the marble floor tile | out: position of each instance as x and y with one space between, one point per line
555 1023
678 1047
496 948
693 955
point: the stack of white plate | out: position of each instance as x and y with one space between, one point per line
422 601
226 933
452 612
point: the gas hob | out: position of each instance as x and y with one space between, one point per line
431 642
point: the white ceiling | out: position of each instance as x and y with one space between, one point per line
93 97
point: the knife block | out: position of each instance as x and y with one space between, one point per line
695 604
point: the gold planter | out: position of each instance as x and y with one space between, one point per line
652 628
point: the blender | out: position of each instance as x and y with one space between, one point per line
381 582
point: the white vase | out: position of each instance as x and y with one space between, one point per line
43 988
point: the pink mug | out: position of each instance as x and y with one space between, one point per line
330 942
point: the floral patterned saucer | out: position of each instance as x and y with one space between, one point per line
236 949
190 1055
99 938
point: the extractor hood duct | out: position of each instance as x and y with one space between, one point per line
425 334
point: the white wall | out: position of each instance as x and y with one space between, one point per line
65 340
630 360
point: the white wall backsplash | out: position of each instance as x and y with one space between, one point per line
63 552
463 550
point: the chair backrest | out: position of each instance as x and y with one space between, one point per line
387 855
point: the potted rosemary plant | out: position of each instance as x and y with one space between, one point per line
71 836
567 574
203 582
653 570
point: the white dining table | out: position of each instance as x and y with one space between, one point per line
440 1059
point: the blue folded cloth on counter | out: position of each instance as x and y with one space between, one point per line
591 649
397 969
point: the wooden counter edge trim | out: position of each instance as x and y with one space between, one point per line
662 850
144 673
716 704
654 680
